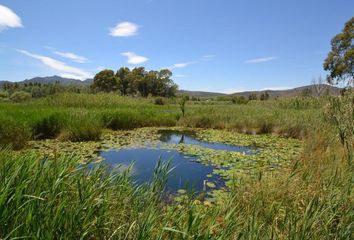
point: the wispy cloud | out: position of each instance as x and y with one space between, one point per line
9 19
124 29
261 60
275 88
72 56
185 64
182 65
63 69
100 68
134 58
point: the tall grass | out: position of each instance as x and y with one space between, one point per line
62 116
57 198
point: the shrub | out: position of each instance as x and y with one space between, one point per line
121 120
239 100
266 127
13 134
82 127
159 101
48 127
20 96
4 94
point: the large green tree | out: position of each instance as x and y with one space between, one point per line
340 61
137 80
105 81
125 84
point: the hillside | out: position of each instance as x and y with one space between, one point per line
273 93
52 80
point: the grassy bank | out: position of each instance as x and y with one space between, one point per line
54 198
81 117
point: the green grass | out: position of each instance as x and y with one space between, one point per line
81 117
55 198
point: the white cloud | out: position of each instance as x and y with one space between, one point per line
261 60
185 64
63 69
9 19
124 29
134 58
100 68
234 90
182 65
72 56
275 88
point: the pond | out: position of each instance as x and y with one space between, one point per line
186 173
189 137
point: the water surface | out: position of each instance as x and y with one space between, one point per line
186 174
189 137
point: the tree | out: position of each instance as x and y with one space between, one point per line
124 80
340 60
264 96
105 81
252 96
319 86
307 92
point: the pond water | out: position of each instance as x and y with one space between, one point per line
186 174
188 137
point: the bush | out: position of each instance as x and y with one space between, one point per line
4 94
48 127
159 101
266 127
20 96
239 100
82 127
14 134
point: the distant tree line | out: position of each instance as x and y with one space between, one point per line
137 81
37 90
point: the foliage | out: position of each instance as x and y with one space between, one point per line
182 104
125 83
252 96
105 81
42 90
340 61
264 96
239 100
307 92
20 96
340 113
13 133
310 199
159 101
137 80
81 127
4 94
48 127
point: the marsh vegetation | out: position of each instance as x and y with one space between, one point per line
274 168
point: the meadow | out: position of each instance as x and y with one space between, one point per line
50 197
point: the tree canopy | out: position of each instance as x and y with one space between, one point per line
105 81
136 81
340 60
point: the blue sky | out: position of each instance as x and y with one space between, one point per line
210 45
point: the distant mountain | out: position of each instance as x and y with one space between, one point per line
323 88
53 79
200 93
272 93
